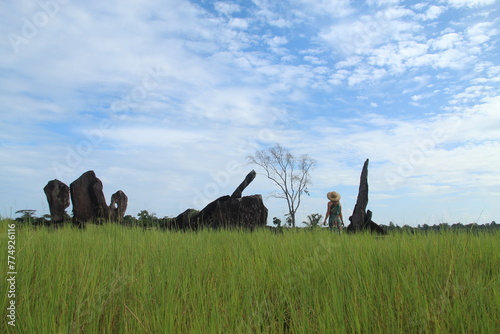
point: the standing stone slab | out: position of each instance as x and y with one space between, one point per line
184 221
58 197
361 219
358 214
248 179
205 218
88 200
118 206
371 225
247 212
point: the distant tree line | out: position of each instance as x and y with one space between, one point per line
442 227
147 220
144 219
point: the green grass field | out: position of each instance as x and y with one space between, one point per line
109 279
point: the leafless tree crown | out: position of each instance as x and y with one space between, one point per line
289 173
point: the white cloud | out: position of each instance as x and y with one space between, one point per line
470 3
334 8
446 41
417 153
350 61
269 15
276 41
382 2
315 60
474 94
366 74
157 137
369 31
388 42
238 23
451 58
223 78
397 57
419 97
338 77
227 8
433 12
241 106
481 32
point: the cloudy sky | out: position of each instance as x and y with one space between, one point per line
165 99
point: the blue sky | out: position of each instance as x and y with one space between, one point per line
165 99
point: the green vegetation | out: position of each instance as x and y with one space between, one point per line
113 279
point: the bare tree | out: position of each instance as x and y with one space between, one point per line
289 173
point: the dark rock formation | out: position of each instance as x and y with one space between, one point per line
118 206
245 212
370 224
184 221
362 219
206 216
88 200
248 179
227 211
58 197
358 214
